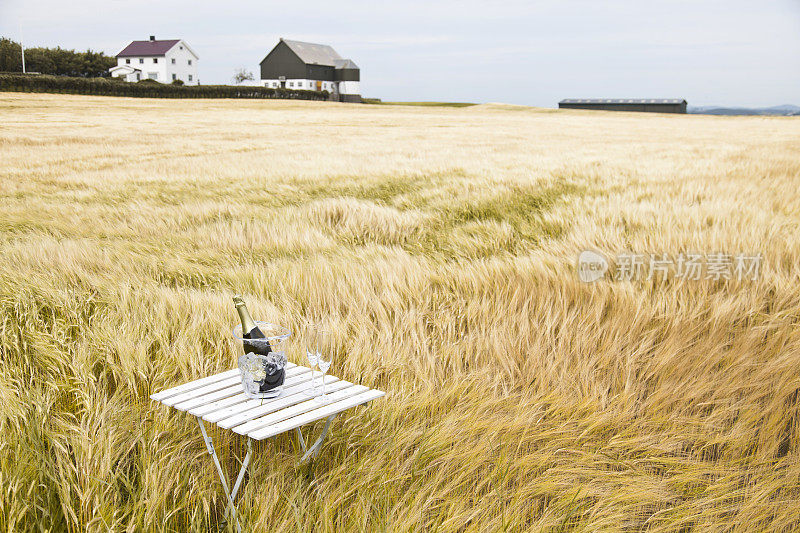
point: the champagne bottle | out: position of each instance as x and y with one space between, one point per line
251 342
250 330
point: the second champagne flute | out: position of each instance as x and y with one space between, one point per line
327 348
311 334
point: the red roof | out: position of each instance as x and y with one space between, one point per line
148 48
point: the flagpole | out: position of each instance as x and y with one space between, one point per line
22 47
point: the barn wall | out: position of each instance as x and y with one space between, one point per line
320 72
281 61
348 74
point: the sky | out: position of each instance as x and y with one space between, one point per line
710 52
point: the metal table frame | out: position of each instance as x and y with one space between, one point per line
219 399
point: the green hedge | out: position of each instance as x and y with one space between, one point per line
113 87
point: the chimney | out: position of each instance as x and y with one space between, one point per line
152 37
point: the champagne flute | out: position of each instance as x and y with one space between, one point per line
311 334
324 362
327 345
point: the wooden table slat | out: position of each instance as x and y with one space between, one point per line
219 404
303 405
280 403
292 375
219 399
213 387
222 414
160 396
316 414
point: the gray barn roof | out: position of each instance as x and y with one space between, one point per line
319 54
314 54
623 101
345 63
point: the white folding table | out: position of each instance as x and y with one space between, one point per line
220 400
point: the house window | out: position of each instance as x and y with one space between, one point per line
190 77
190 61
173 60
141 61
155 60
291 84
174 77
152 75
127 61
138 76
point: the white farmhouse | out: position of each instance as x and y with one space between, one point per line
164 61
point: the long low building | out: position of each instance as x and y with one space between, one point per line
648 105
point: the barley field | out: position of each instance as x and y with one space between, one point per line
442 243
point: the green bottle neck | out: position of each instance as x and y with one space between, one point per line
248 324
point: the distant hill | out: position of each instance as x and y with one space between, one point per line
779 110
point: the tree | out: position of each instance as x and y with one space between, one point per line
242 75
10 56
56 61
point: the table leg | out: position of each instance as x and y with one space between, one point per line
301 439
314 449
210 447
245 463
